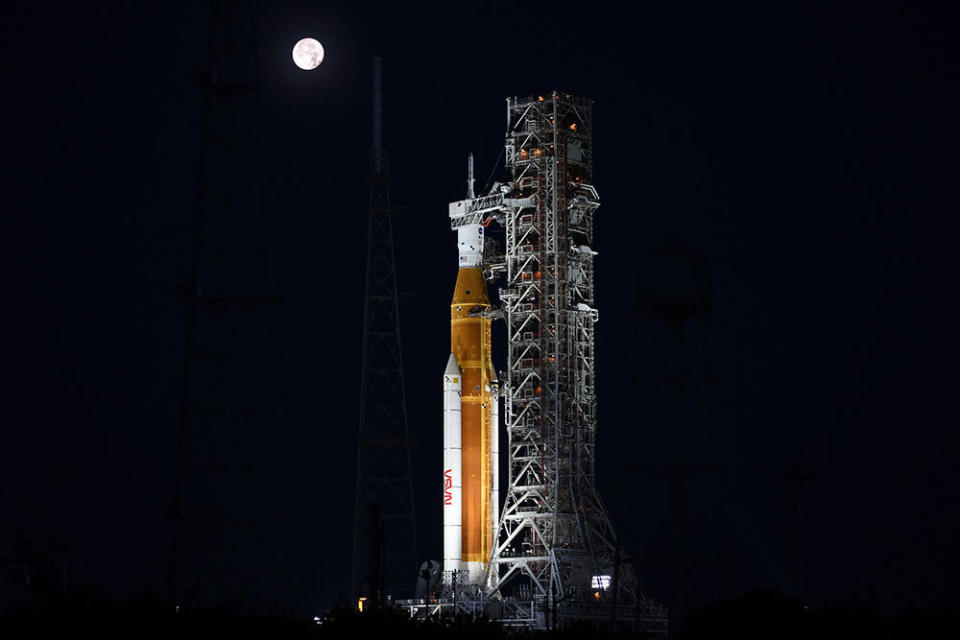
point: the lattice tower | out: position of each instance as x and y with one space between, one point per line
229 396
383 445
553 529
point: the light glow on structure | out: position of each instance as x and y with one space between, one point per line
360 604
552 531
600 582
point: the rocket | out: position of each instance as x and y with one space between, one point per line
470 418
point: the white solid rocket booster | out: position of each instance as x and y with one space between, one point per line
452 469
495 456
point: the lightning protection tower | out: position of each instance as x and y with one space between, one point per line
222 516
385 538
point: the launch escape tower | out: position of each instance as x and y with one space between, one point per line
555 540
385 538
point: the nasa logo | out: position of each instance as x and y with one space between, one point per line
447 486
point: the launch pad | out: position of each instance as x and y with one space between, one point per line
550 554
541 614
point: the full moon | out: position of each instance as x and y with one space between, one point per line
308 54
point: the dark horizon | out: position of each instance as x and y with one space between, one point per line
807 153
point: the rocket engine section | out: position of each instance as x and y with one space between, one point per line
470 422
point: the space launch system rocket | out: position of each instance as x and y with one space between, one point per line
470 418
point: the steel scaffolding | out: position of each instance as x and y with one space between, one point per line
555 539
554 529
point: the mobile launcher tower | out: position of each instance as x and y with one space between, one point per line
551 553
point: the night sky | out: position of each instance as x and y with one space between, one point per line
809 152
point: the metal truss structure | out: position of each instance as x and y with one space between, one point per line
229 396
385 539
555 538
554 529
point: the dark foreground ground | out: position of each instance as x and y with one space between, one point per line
756 615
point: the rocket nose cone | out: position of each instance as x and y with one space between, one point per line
452 368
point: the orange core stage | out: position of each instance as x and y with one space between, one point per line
470 345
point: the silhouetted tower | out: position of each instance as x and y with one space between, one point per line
383 445
229 395
31 574
675 295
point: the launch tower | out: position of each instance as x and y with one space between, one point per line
555 539
554 529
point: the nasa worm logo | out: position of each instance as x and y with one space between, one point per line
447 485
